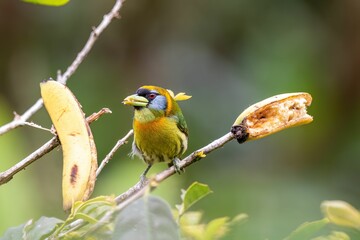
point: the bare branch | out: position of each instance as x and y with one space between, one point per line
278 112
112 152
44 149
192 158
19 120
95 116
90 42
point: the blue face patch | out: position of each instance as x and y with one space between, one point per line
158 103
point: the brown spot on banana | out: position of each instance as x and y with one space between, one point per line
73 174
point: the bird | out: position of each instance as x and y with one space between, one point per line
160 129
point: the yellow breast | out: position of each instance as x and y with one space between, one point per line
159 140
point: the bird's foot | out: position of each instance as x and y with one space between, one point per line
176 163
143 177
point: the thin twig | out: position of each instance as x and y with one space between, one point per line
34 125
19 120
112 152
114 13
95 116
44 149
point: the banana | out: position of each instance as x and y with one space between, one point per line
272 115
79 150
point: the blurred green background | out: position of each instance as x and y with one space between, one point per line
228 55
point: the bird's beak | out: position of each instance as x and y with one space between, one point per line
136 101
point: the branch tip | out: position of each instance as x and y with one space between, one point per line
117 15
58 75
17 117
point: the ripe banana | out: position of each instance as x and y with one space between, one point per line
79 151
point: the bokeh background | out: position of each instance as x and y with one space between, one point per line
228 55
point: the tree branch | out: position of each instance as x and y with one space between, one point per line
114 13
190 159
267 122
44 149
112 152
19 120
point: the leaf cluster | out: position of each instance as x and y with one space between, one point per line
148 217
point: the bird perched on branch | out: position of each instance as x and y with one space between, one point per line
160 130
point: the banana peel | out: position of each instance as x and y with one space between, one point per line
272 115
79 150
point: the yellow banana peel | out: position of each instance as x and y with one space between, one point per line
79 151
272 115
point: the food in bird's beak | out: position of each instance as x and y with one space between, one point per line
272 115
136 100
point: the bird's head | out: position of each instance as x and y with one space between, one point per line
155 99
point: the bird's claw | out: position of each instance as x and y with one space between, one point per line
143 178
176 163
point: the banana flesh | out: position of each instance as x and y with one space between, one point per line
272 115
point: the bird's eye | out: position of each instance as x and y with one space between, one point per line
152 96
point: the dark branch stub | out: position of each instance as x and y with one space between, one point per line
240 132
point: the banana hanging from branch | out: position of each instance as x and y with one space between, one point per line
79 151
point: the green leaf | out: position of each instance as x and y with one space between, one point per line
55 3
37 230
41 228
90 211
334 236
193 194
193 232
13 233
92 206
192 228
191 218
148 218
86 218
307 229
240 218
97 202
216 228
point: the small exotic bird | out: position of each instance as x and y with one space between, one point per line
160 130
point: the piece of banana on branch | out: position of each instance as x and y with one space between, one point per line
272 115
78 146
